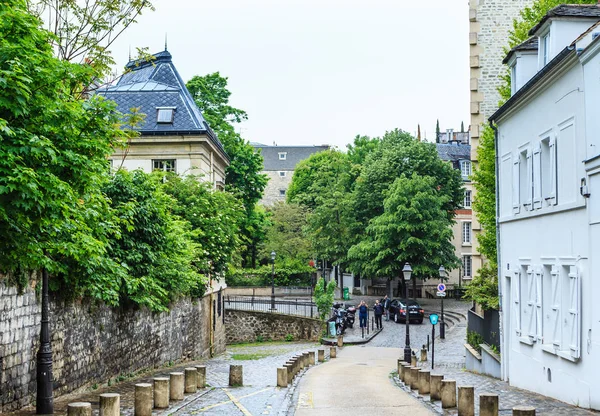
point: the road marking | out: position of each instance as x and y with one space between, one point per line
237 403
212 406
305 401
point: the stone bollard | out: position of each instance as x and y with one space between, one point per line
321 354
340 341
406 373
176 386
294 362
523 411
414 378
466 401
332 352
448 394
423 354
191 380
236 376
306 359
488 405
290 372
201 369
413 360
400 368
110 404
79 409
282 377
424 376
161 392
311 358
435 386
143 400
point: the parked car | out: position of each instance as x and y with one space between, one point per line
398 311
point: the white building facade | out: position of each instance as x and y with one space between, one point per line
548 205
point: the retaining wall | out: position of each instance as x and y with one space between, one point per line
92 343
247 326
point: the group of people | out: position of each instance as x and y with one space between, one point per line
380 308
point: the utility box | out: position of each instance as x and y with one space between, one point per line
332 331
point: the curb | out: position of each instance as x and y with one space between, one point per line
333 341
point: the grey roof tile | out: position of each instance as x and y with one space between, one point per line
294 154
454 152
569 10
530 44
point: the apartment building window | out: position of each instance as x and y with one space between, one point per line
282 192
548 169
282 174
467 264
466 233
545 48
166 165
282 155
526 178
465 169
467 201
513 79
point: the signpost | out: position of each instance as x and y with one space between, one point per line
441 293
433 318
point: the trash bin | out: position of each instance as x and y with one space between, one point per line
332 331
346 293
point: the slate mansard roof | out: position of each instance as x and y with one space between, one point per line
569 10
454 152
294 154
156 83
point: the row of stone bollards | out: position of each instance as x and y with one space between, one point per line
156 395
446 392
286 374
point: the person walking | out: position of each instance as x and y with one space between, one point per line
386 306
378 309
363 309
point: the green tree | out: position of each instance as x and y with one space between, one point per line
286 234
324 296
361 147
437 131
462 127
414 228
53 154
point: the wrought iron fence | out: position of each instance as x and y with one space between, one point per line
297 307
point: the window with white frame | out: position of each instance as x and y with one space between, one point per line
466 232
282 155
545 48
465 169
166 165
513 78
467 264
282 173
165 115
548 169
526 178
467 201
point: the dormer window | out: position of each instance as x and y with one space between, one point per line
164 115
513 78
282 155
465 169
545 48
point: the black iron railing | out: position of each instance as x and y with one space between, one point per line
297 307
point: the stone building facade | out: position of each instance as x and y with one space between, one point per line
279 165
489 24
93 343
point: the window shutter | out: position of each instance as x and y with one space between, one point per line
538 304
530 308
516 189
553 172
517 303
555 314
574 323
529 181
537 177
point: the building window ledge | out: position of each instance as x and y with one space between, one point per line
550 348
467 244
567 356
526 340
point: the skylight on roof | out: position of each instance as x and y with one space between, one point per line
165 114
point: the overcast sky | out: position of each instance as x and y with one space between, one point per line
321 71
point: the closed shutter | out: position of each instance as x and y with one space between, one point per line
574 321
538 304
552 197
537 177
516 189
555 309
530 308
517 302
529 181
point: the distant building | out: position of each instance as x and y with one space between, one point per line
174 135
279 165
455 148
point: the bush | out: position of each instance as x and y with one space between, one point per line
324 297
474 339
288 272
289 338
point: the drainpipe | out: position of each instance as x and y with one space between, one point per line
503 345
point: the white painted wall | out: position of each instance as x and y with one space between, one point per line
526 67
546 347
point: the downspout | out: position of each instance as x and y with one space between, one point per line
504 374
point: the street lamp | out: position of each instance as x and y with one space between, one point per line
273 254
44 397
407 271
442 272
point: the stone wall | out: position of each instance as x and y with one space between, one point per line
247 326
276 184
92 343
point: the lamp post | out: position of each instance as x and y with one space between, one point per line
407 271
44 397
442 272
273 254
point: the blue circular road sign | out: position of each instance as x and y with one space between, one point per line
441 287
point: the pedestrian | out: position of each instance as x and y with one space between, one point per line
386 306
363 309
378 309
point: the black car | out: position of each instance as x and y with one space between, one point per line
398 311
